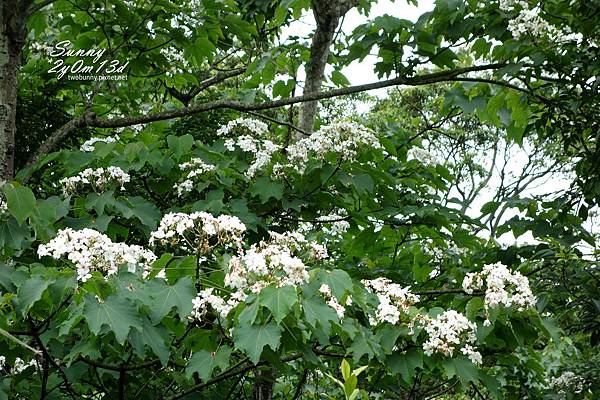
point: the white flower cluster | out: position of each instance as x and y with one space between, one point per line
529 22
88 145
343 138
3 206
42 48
91 250
206 298
567 381
178 64
333 302
196 168
198 231
247 125
272 261
20 365
449 332
423 156
262 150
393 300
503 287
334 225
98 179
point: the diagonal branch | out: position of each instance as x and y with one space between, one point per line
92 120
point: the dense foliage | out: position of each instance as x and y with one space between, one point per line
176 235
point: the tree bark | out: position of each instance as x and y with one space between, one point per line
13 14
327 15
263 384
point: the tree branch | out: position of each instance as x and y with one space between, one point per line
92 120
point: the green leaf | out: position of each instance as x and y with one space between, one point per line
463 368
30 292
20 201
339 79
278 300
204 362
180 145
317 313
119 314
266 189
489 207
179 295
252 339
155 337
339 281
406 364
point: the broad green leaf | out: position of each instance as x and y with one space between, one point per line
406 364
179 295
278 300
253 338
204 362
20 201
463 368
30 292
180 145
266 189
156 337
317 313
119 314
339 282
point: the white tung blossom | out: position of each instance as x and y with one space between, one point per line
423 156
198 231
272 262
449 333
91 250
20 365
393 300
503 287
246 125
345 139
88 145
98 180
567 382
333 302
529 22
195 168
262 151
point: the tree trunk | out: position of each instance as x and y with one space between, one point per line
327 15
12 38
263 384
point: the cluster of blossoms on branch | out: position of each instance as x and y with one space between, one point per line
198 232
449 333
261 149
423 156
91 250
196 167
19 365
333 302
334 225
503 287
275 261
529 22
345 139
88 145
98 180
567 382
244 125
393 300
177 62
